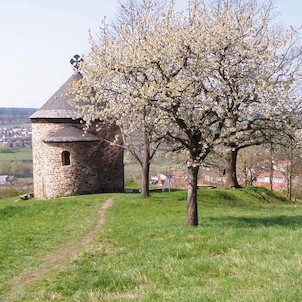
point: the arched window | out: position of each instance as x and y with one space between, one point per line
65 158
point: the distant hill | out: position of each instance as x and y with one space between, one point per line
15 115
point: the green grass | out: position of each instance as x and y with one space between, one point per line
31 230
21 154
247 248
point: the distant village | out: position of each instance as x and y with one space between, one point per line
15 127
15 136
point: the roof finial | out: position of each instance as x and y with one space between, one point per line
75 61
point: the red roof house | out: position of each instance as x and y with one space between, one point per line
263 180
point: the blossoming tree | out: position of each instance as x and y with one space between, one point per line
254 67
192 77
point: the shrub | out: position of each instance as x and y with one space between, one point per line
9 192
130 182
7 150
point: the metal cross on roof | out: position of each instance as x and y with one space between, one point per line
75 61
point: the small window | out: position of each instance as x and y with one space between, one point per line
65 158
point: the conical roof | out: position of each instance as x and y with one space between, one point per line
57 106
70 134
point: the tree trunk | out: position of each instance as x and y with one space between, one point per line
145 167
271 176
290 185
230 170
290 174
246 175
145 180
192 196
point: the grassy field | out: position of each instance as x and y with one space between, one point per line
247 248
21 154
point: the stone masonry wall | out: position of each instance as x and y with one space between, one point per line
94 167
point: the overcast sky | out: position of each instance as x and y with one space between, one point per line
39 37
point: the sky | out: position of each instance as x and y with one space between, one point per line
39 37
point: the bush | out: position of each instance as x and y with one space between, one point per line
16 168
297 194
9 192
7 150
131 182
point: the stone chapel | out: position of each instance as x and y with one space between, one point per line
67 161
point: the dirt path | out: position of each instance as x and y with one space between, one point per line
55 261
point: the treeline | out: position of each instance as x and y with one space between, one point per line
5 149
16 168
15 115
